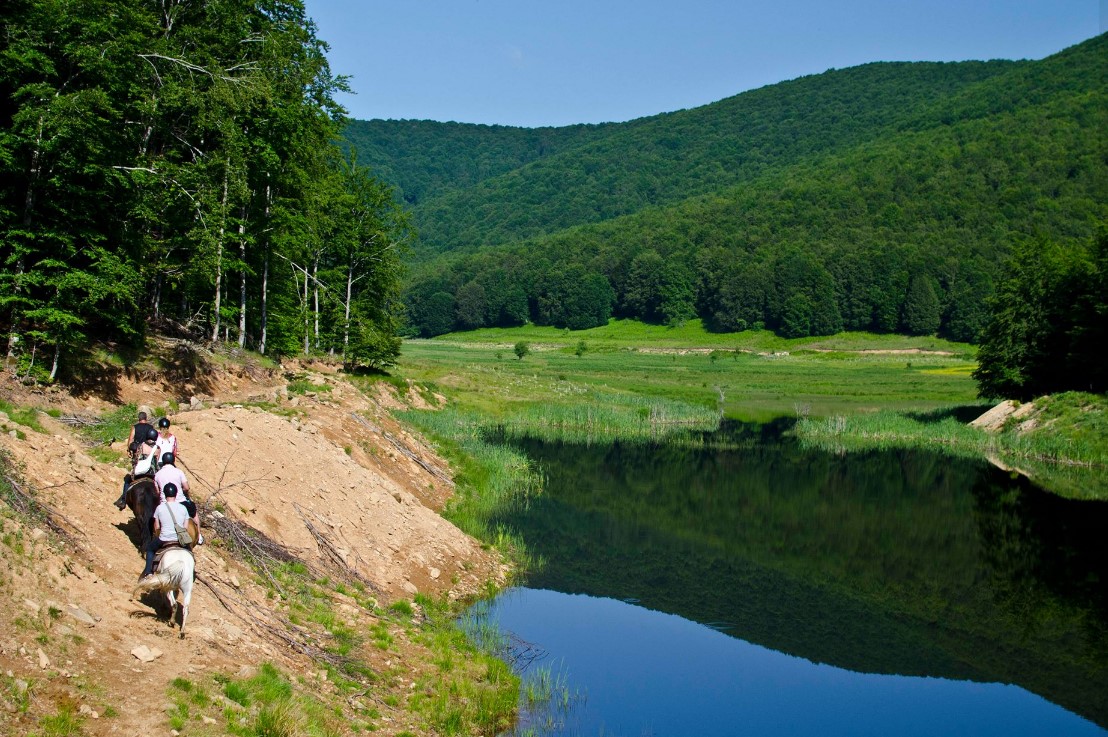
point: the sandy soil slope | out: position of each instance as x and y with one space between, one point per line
331 477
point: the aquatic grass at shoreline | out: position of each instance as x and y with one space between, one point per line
489 478
1070 459
604 418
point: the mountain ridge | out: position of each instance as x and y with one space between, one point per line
882 197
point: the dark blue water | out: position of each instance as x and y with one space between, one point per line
744 585
643 672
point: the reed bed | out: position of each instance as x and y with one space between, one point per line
605 417
490 479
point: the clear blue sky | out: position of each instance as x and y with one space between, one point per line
558 62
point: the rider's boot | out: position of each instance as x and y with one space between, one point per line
121 502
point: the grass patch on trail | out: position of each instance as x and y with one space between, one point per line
1066 450
259 705
23 416
303 385
114 425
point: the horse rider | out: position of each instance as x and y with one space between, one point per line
167 441
138 434
170 474
144 462
167 518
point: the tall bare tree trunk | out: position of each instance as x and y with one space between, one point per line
265 293
307 332
265 271
219 255
315 297
242 278
57 355
346 315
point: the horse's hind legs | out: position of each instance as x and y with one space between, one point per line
184 617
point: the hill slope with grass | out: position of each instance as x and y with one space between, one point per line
324 585
1059 441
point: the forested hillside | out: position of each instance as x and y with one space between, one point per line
884 198
175 162
424 159
668 158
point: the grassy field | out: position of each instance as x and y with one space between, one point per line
748 376
852 391
631 334
632 381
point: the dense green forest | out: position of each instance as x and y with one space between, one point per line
424 158
671 157
885 197
178 163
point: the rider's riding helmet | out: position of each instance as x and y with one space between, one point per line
152 435
163 423
170 490
167 459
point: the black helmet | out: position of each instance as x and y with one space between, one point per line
163 423
170 489
151 434
167 459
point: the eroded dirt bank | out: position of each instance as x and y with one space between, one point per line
326 474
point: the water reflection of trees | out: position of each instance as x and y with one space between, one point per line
905 562
1044 551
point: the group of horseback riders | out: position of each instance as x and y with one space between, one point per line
169 519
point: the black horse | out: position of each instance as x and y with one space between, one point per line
143 498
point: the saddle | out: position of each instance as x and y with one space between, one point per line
162 551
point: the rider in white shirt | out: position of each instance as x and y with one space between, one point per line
167 518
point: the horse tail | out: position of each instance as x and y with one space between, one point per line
176 572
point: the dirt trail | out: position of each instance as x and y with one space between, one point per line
334 463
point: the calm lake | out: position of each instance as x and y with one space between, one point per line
736 584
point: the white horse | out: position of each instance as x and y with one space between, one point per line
174 576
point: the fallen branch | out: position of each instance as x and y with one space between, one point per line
364 422
329 551
254 544
407 452
27 504
79 421
216 594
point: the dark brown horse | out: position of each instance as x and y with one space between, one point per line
143 498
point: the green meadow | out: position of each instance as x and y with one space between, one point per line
628 380
683 372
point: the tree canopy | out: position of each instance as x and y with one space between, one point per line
178 162
1048 323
